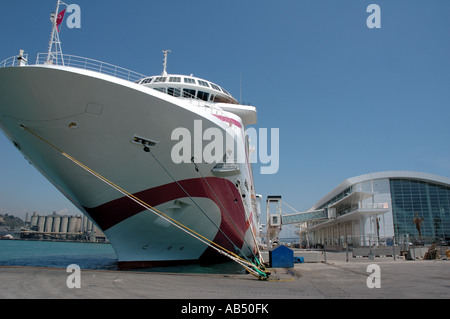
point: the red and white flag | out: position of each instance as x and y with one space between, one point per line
60 18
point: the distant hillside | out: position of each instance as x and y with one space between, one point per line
10 221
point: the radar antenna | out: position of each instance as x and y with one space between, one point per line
164 72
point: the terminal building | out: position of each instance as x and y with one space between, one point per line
382 208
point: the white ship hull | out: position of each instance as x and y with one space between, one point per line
93 117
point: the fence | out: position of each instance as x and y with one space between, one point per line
368 247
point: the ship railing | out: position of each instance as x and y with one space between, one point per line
90 64
197 102
75 62
14 61
209 107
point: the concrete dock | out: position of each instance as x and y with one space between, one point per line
335 279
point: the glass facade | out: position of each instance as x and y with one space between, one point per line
420 205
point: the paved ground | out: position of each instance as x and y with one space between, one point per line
335 279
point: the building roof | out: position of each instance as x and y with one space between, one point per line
382 175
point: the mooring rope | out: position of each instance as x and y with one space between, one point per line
146 149
250 267
257 259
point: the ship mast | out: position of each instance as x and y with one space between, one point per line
164 72
54 46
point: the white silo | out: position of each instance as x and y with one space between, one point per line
64 223
85 220
72 224
56 223
78 224
41 223
48 223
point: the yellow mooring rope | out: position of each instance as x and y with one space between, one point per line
250 267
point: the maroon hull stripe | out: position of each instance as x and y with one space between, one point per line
228 198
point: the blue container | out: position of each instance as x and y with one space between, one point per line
281 257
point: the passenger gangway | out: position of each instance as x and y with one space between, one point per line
276 220
302 217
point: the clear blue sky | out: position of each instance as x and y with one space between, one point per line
348 100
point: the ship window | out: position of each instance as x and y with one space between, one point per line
225 91
189 93
174 92
175 79
203 83
189 80
215 87
203 95
160 79
148 80
219 99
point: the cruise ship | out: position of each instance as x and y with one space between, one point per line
127 149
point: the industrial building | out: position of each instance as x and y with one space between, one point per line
59 227
382 208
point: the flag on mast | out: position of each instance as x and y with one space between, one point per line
60 18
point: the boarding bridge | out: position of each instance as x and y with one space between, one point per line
275 220
303 217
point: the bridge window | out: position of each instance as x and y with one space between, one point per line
174 92
220 99
160 79
189 80
189 93
215 87
147 80
203 95
203 83
175 79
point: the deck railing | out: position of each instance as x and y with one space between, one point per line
77 62
14 61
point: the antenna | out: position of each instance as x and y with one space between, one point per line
240 88
164 72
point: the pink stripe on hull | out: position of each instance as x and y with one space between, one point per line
228 120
